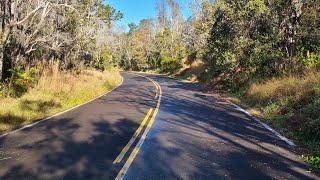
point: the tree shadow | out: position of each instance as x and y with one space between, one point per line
11 120
200 137
79 144
66 151
39 105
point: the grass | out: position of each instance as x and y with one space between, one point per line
292 106
289 104
55 92
191 71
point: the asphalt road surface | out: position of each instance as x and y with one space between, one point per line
194 136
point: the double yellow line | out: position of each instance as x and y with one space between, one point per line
151 113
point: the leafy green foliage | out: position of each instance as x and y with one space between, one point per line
106 59
311 61
20 82
108 14
252 40
169 64
313 160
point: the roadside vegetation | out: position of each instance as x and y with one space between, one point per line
291 105
52 57
52 92
266 53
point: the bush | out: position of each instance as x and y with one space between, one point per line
19 82
169 64
106 60
313 61
2 87
314 160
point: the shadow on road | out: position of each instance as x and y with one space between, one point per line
64 154
79 144
199 137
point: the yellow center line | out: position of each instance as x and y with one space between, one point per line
134 137
136 149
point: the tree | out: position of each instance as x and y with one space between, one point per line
48 29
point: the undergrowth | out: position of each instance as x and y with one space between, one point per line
291 105
27 99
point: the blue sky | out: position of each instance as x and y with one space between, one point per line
135 10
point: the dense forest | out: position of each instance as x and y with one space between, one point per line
265 52
237 40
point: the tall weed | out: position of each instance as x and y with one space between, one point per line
292 105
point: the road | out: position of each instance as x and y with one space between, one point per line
191 135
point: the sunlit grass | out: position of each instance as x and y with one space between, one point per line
55 91
192 71
291 105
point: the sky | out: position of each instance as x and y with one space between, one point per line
135 10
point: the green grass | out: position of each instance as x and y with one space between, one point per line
55 92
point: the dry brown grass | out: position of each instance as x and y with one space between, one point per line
291 86
192 71
291 105
55 91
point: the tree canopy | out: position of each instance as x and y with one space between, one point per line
65 30
238 41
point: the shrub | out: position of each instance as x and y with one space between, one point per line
2 87
106 60
169 64
314 160
20 82
313 61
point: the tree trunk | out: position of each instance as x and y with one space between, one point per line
5 54
1 62
6 64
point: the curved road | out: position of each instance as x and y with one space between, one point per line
193 136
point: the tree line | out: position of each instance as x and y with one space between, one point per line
69 31
239 41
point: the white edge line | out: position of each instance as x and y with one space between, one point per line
289 142
58 114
